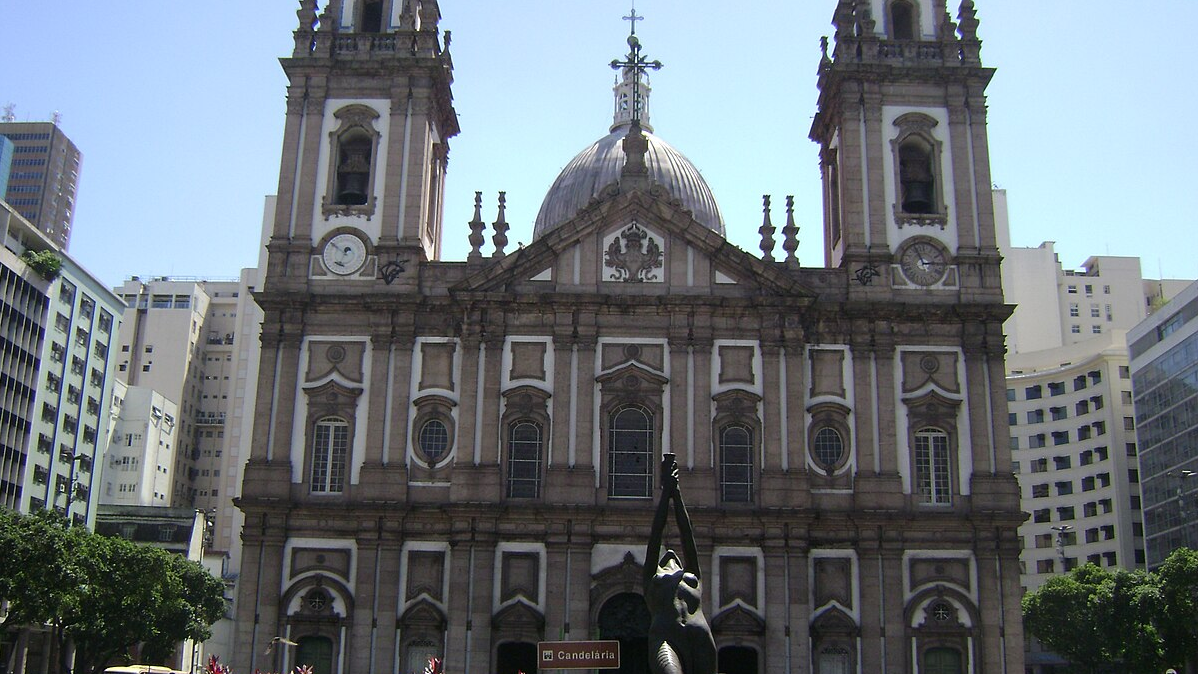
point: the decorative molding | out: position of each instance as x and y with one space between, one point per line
634 256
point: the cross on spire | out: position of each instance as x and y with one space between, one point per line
633 18
635 65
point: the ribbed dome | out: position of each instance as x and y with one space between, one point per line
599 165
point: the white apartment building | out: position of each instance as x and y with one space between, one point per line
1070 404
193 344
141 461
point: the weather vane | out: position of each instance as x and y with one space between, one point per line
635 63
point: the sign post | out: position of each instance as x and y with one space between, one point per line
578 655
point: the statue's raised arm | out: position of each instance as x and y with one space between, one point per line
680 639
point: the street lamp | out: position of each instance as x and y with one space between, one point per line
1062 530
72 458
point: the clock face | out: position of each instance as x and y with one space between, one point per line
344 254
924 263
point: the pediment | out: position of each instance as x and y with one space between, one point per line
423 613
738 620
519 614
634 242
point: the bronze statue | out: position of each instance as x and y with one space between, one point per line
680 639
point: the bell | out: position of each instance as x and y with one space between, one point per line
353 189
917 197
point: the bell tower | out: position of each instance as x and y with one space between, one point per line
904 153
369 118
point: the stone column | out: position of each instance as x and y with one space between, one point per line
376 393
796 390
468 404
865 405
289 382
703 458
491 401
396 453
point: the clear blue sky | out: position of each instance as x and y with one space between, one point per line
178 109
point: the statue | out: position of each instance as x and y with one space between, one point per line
680 639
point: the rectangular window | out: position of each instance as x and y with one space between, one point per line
1039 465
329 450
1106 290
1092 535
1074 311
1082 407
932 476
1032 392
1125 397
1061 462
1079 382
1012 419
1088 483
1014 442
1133 475
1010 394
1095 312
1060 437
1042 515
1036 441
1129 424
1130 448
1085 458
1072 290
1058 413
1075 329
1044 566
1035 416
1096 329
1064 488
1090 509
1089 290
1040 491
1056 388
1065 513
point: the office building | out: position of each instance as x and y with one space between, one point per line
44 178
58 330
1164 371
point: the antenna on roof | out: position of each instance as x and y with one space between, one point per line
9 113
56 118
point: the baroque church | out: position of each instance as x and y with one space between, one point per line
458 459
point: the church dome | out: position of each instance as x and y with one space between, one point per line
599 165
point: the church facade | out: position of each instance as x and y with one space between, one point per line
458 459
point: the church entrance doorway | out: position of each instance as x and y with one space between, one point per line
515 657
317 653
942 661
737 660
625 618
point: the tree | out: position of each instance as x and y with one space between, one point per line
106 594
45 263
1063 615
1145 621
1179 612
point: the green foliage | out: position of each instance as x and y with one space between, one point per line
105 594
1096 618
46 263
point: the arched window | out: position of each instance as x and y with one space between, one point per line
630 452
933 474
372 16
736 464
524 459
917 176
330 446
941 661
902 20
354 149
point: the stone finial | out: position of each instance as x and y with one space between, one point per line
635 145
501 227
476 230
824 60
790 233
767 231
329 17
307 15
967 22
